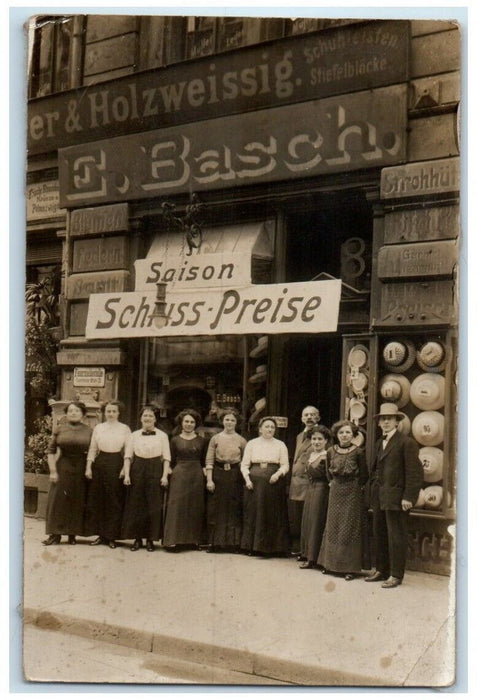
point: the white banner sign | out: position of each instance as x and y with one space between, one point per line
211 270
298 307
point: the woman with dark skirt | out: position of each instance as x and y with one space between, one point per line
66 460
184 524
225 485
104 467
316 499
264 466
342 549
146 456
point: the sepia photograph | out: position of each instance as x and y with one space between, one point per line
241 350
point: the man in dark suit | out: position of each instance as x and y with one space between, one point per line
299 482
396 478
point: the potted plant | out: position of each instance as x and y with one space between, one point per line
36 477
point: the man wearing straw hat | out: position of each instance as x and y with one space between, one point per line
310 416
396 478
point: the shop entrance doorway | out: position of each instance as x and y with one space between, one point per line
314 378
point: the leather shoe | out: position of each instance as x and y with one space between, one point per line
300 557
150 546
137 545
98 540
349 577
307 565
71 539
52 539
377 576
392 582
112 544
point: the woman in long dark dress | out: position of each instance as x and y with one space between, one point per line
264 466
104 467
316 499
225 485
341 550
66 460
146 457
184 524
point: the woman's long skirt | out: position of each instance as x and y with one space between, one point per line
143 512
265 521
341 549
314 520
65 509
185 509
106 497
224 507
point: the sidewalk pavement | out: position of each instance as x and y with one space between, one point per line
264 617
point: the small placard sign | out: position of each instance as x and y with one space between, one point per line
89 376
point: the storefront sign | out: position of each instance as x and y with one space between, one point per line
421 179
417 303
43 201
210 270
421 224
295 69
299 307
89 376
362 130
80 286
281 421
109 253
435 259
105 356
100 219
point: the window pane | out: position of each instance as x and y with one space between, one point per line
46 59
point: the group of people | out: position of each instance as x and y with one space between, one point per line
331 490
227 494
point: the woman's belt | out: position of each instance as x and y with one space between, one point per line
226 466
265 465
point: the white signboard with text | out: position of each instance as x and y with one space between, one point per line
298 307
211 270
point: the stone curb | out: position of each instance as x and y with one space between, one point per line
236 660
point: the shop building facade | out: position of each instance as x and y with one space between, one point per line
315 165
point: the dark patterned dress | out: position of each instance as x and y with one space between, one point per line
315 507
185 511
66 499
342 545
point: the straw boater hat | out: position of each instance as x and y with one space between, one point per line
261 348
359 383
390 409
360 438
399 355
260 406
428 428
432 459
421 499
358 356
404 426
357 410
433 496
260 375
432 356
427 391
396 388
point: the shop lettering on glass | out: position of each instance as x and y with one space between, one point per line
298 307
355 131
294 69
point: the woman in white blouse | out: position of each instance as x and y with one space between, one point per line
146 459
264 466
104 464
